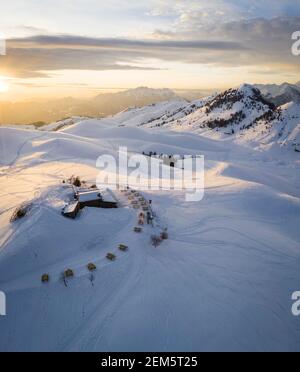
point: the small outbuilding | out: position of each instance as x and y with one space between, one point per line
71 210
68 273
91 267
111 256
45 278
123 247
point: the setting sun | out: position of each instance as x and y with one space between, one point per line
4 86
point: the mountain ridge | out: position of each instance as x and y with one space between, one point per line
242 113
99 106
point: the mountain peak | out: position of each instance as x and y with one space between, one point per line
146 91
248 89
281 94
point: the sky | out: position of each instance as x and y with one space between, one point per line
82 47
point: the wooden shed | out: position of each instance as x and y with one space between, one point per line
96 199
89 199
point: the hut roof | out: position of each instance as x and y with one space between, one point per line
71 207
108 196
89 196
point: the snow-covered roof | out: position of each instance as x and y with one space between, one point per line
71 207
89 196
108 196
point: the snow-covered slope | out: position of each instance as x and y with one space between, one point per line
282 129
223 280
61 124
149 114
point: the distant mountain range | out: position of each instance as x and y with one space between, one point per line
242 114
112 103
102 105
281 94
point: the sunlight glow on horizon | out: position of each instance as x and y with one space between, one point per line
4 86
97 47
87 84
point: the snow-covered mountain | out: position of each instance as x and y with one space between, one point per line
232 110
246 116
273 90
280 94
148 93
111 103
283 128
291 94
240 114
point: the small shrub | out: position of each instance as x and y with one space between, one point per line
164 235
111 256
45 278
156 240
123 247
39 124
69 273
91 267
20 212
77 182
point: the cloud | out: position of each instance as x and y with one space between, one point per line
37 56
184 11
267 42
71 41
259 42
